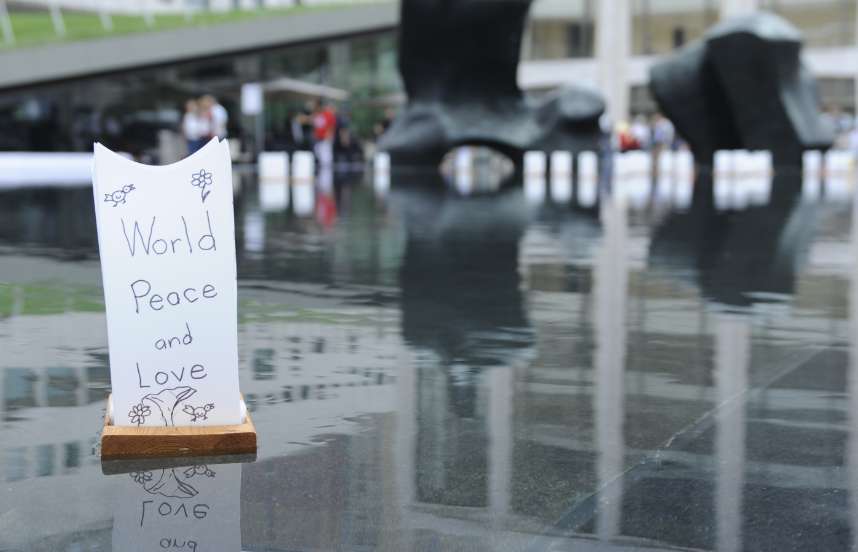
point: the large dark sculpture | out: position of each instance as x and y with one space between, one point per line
743 86
458 59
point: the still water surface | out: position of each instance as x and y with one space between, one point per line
428 371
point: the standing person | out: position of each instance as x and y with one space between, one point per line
381 126
194 127
306 120
641 132
217 114
324 125
662 133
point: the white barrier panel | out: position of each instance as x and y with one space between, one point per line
561 164
759 179
838 174
740 190
534 188
838 163
811 175
561 176
463 170
534 163
633 177
273 165
304 199
273 171
683 188
666 176
254 231
303 167
381 173
273 196
19 169
723 176
588 175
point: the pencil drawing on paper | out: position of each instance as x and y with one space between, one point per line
165 403
198 412
119 196
202 180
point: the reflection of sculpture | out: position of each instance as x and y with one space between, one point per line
459 60
743 87
460 282
736 256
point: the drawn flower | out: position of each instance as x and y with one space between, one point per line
141 478
138 414
202 180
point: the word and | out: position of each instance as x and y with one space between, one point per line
162 344
176 544
152 243
197 372
140 289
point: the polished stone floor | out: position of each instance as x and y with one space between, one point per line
433 372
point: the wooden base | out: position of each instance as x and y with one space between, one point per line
160 442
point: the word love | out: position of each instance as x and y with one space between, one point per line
145 380
168 509
150 242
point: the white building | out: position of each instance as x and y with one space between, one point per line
611 44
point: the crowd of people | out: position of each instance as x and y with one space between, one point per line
845 127
655 133
325 130
204 119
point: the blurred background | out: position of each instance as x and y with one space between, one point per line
75 71
600 359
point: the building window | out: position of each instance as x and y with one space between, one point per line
579 39
824 23
678 37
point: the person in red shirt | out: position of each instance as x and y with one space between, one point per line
324 130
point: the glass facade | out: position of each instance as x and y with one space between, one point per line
130 111
660 26
824 23
561 32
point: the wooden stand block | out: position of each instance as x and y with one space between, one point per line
159 442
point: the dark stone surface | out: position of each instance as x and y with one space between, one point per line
743 86
458 59
436 372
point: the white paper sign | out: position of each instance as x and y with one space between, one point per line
192 509
252 98
167 244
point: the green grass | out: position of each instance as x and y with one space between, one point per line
34 28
